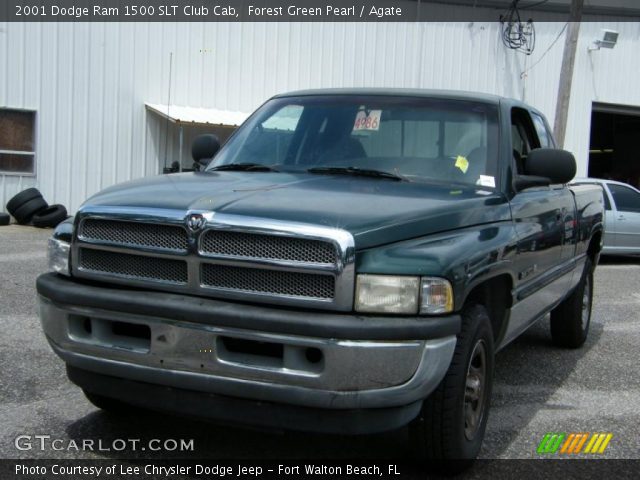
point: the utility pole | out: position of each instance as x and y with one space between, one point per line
566 72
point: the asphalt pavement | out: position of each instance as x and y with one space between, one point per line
538 388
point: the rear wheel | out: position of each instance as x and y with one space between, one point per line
571 319
451 426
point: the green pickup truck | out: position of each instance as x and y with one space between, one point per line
349 261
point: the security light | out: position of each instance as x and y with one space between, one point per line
608 40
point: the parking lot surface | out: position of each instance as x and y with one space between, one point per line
538 388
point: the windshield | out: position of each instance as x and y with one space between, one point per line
410 137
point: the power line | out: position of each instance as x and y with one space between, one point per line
524 72
516 34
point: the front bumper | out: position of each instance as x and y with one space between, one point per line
242 411
300 358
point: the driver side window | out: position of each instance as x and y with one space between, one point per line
523 137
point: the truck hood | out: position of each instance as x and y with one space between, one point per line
375 211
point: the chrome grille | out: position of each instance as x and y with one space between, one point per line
273 282
151 235
133 266
235 257
253 245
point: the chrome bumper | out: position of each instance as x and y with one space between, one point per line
293 369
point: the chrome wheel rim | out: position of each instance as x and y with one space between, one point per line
586 303
475 384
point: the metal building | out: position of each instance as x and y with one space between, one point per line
85 104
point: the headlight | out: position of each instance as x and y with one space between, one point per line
58 254
403 294
436 296
387 294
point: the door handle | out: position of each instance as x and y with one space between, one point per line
621 217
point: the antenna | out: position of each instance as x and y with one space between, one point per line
166 128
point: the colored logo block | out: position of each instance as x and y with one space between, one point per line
574 443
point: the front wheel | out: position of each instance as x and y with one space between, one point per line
453 420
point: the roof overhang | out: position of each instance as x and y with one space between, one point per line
197 116
623 8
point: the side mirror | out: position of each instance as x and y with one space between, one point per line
204 148
545 166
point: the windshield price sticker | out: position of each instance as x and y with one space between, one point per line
368 122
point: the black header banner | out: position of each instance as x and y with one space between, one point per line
284 11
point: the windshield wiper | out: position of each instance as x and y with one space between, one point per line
243 167
363 172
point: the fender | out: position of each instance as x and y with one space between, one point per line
466 257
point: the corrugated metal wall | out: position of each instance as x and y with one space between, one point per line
89 81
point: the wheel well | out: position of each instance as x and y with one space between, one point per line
593 251
495 295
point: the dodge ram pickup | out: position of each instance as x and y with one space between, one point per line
349 261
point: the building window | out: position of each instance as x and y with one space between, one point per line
17 141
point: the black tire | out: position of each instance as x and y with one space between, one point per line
5 219
571 319
25 212
50 217
444 434
21 198
110 405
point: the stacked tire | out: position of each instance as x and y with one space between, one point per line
25 205
49 217
29 207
